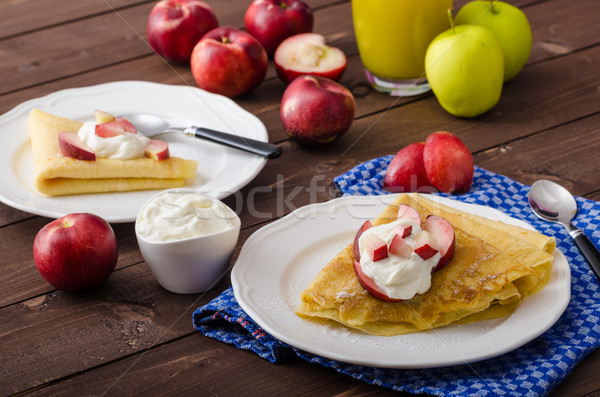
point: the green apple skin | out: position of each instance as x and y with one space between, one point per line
508 23
465 69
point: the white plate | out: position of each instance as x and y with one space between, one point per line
278 261
221 170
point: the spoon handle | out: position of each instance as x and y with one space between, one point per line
588 250
264 149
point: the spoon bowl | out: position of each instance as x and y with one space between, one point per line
553 203
151 125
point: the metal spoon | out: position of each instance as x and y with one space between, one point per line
151 125
553 203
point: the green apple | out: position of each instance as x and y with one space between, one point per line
465 68
508 23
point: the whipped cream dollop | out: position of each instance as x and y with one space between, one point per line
124 147
397 277
180 215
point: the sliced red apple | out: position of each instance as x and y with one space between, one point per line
425 245
157 150
375 247
355 247
399 247
117 127
443 232
71 146
307 53
102 117
403 230
407 212
369 285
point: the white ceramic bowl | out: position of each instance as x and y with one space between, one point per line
189 265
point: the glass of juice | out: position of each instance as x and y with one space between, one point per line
392 38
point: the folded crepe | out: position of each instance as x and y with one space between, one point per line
57 175
495 267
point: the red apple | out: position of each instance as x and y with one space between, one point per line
272 21
406 171
118 127
229 62
355 247
375 247
425 245
409 213
316 110
369 285
399 247
71 146
306 53
75 252
175 26
443 232
448 162
157 150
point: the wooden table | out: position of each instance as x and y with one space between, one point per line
130 336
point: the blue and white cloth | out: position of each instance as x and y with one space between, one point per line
534 369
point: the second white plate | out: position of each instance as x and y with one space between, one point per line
278 261
221 170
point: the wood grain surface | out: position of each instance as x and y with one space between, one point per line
130 336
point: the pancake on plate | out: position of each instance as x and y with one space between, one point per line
495 266
57 175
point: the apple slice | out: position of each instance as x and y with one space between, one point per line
355 247
307 53
403 230
369 285
157 150
399 247
71 146
117 127
376 248
407 212
102 117
443 232
425 245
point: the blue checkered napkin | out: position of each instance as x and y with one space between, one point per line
531 370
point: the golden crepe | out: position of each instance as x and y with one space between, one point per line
495 266
57 175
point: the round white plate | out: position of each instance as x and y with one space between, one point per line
221 170
278 262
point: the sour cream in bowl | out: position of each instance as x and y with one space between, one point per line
187 239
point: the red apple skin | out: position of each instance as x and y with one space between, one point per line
175 26
406 171
288 69
71 146
75 252
229 62
369 285
316 110
272 21
355 247
448 163
409 213
443 232
157 150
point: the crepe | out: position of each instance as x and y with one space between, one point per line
57 175
495 267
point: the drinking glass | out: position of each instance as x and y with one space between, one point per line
392 38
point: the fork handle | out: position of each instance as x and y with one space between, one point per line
261 148
588 250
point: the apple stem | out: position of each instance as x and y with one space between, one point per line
493 6
451 20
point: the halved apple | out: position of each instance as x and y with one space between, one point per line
117 127
443 232
157 150
307 53
71 146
